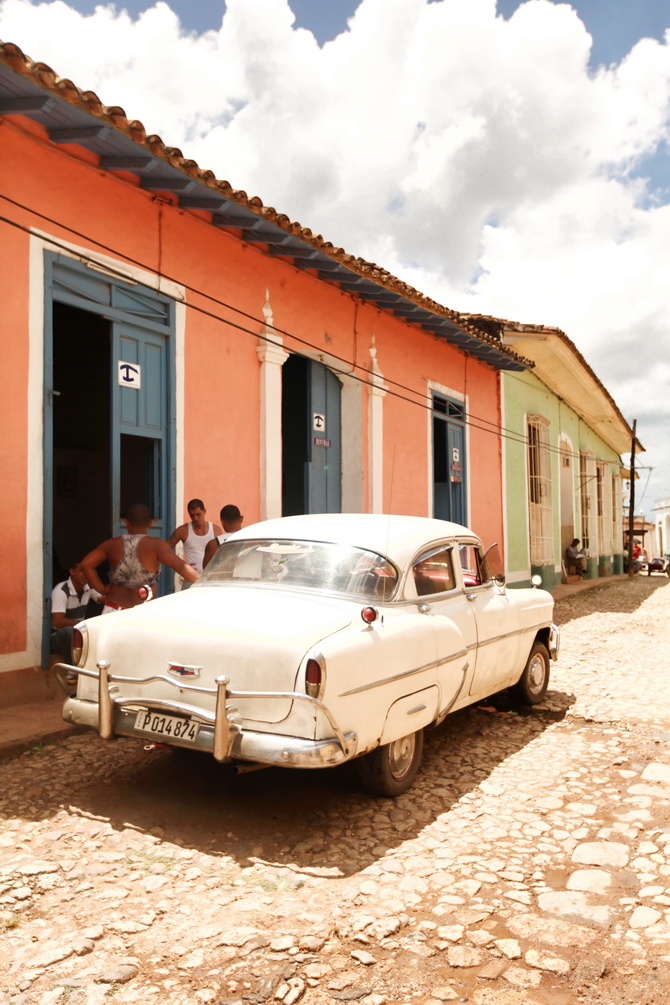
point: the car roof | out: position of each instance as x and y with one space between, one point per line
395 536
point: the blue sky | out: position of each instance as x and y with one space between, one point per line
516 167
615 25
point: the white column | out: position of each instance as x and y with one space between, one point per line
272 356
376 395
353 495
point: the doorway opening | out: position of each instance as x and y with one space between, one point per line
294 406
311 438
81 490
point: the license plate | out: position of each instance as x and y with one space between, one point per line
166 725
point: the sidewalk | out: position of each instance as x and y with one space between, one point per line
23 727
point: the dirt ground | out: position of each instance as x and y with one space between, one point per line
530 862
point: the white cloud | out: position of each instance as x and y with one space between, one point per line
478 158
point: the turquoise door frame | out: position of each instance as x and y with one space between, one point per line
142 332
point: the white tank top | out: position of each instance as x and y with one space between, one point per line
195 544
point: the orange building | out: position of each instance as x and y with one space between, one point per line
167 337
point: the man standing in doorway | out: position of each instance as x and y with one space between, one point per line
195 535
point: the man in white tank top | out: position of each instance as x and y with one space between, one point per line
195 535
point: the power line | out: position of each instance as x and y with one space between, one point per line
473 421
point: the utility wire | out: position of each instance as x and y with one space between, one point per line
474 421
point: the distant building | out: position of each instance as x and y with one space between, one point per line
562 438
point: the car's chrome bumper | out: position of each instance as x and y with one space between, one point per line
219 733
554 641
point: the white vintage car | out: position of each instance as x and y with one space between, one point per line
312 640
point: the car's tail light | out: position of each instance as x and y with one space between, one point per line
369 615
79 645
313 678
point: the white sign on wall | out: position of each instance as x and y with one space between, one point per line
130 375
318 422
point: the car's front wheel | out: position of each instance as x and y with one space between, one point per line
389 770
534 681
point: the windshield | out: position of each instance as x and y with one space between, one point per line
304 565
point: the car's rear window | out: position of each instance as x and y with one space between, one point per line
310 565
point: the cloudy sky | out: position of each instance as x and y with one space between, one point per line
509 159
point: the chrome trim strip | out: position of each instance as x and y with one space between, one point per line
456 656
443 715
434 664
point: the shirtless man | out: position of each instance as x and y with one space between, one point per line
134 559
195 535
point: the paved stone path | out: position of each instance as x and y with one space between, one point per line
530 863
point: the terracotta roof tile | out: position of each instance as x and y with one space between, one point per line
486 321
42 75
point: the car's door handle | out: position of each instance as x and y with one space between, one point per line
471 596
424 608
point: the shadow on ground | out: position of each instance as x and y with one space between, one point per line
306 821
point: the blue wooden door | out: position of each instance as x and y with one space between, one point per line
323 468
139 428
449 461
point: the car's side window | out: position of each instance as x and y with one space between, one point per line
433 572
473 565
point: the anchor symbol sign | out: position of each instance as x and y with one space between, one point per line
130 375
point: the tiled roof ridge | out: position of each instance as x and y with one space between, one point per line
519 326
45 77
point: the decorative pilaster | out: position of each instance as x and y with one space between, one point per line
272 356
376 395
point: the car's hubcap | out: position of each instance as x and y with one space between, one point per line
401 754
536 674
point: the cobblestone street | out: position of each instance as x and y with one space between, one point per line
529 863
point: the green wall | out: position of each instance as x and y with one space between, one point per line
525 394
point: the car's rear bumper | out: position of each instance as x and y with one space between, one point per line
259 748
220 733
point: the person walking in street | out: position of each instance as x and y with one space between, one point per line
135 560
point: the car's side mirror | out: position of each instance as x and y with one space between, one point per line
536 580
500 579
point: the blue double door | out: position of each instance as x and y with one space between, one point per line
109 411
311 438
449 460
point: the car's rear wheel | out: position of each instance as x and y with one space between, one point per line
534 681
389 770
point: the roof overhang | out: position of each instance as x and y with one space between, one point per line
70 116
560 366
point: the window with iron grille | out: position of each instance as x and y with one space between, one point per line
586 480
605 503
539 492
600 506
617 517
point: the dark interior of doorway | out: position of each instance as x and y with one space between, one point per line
295 383
83 507
81 435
